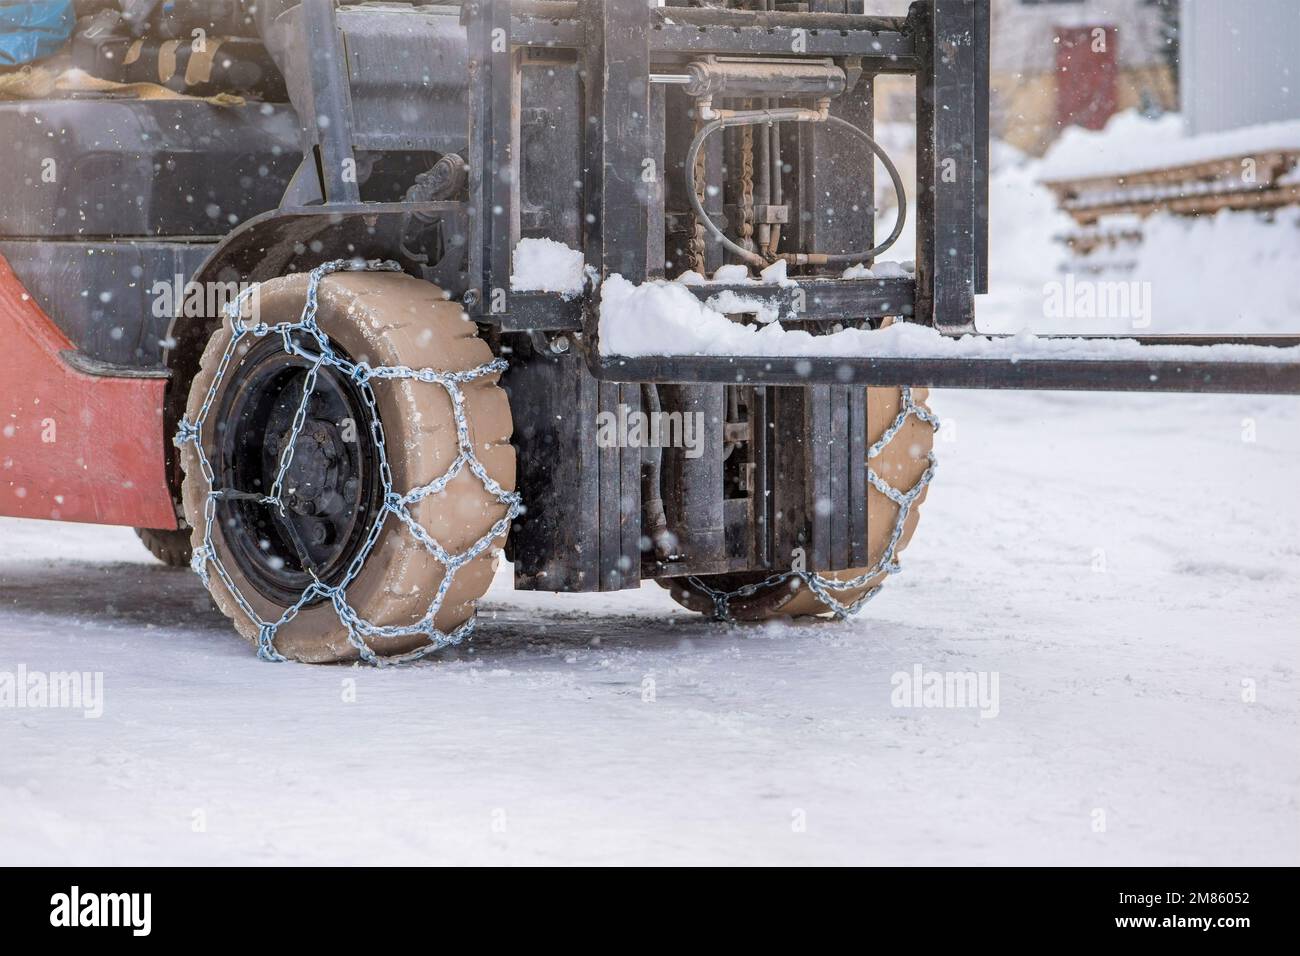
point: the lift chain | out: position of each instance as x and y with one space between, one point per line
697 250
747 186
305 339
821 585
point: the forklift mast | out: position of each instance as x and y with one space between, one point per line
635 59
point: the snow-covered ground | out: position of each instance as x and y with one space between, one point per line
1128 566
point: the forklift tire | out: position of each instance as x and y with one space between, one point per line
333 490
901 463
172 548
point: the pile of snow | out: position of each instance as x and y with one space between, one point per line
776 272
1231 272
665 318
1228 273
729 302
732 273
737 274
544 265
881 270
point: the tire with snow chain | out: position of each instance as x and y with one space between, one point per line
333 487
901 463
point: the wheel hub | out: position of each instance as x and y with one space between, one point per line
317 480
329 491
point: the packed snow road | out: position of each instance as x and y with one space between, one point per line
1124 572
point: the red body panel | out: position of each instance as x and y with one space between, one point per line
74 447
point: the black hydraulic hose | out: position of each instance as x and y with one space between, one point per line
799 116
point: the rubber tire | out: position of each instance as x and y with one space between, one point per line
172 548
901 463
382 319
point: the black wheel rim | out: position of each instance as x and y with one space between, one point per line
331 490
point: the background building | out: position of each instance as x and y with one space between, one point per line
1058 63
1061 63
1238 63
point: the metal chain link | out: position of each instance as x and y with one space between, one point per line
697 251
747 186
305 339
821 585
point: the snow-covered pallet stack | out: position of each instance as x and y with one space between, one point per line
1110 193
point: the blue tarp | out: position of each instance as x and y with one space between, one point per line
33 29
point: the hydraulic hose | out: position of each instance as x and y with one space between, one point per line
796 115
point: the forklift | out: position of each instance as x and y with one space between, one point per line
347 405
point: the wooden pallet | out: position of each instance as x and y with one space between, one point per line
1193 189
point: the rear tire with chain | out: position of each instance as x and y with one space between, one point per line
333 490
172 548
901 463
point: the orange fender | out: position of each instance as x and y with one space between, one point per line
73 446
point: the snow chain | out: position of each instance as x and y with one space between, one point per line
819 584
398 505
